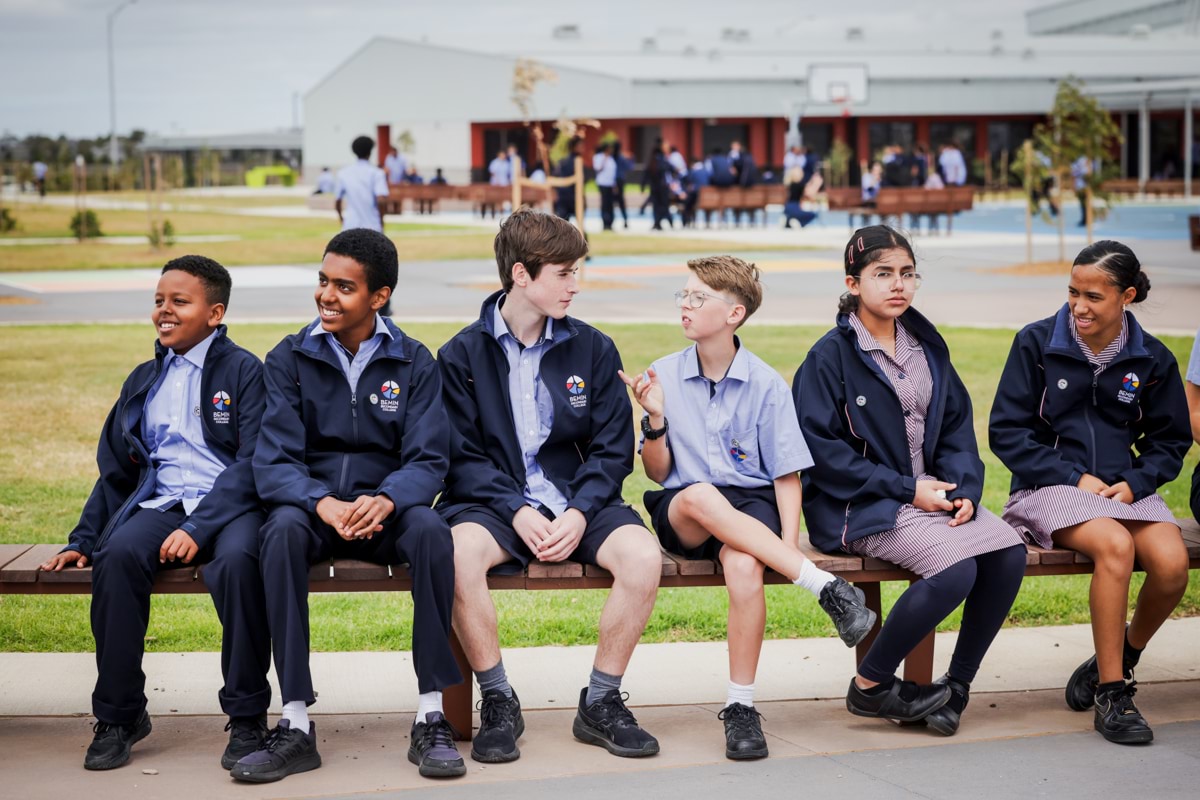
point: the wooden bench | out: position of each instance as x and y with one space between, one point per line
1129 187
737 200
897 201
19 574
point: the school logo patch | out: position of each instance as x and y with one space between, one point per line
221 403
1129 387
388 392
577 388
736 452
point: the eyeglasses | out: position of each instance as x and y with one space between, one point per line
886 280
697 299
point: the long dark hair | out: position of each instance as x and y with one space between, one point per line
867 246
1119 263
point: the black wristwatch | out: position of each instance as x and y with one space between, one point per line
651 433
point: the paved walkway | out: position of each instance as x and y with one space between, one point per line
1018 737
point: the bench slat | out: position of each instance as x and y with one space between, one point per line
10 553
693 566
24 568
831 562
542 571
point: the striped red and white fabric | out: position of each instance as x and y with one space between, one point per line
923 541
1038 513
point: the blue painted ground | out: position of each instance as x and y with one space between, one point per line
1156 221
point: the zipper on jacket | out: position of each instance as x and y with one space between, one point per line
346 456
144 471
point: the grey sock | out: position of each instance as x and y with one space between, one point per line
600 684
494 679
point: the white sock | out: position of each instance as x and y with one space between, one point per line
296 713
429 701
740 694
813 578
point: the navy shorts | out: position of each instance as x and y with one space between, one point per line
758 503
607 520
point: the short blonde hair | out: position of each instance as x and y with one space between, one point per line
731 274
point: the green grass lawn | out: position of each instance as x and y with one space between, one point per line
61 381
282 240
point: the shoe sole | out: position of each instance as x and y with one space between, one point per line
305 764
746 755
588 736
857 635
499 756
443 769
893 717
1077 677
1127 737
121 760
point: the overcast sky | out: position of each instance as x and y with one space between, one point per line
210 66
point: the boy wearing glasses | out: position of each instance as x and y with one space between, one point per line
720 435
541 439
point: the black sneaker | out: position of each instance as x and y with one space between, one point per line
285 751
246 734
1118 719
945 720
431 748
904 701
609 724
500 725
111 745
744 738
1081 688
846 606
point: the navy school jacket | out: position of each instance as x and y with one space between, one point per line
126 475
854 427
589 451
1054 420
319 438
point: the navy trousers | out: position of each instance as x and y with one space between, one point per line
292 540
123 573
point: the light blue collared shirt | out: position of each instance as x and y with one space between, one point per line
741 431
605 167
174 434
353 365
360 184
532 409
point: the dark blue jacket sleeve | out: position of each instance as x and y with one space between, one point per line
609 456
233 493
280 471
1015 421
425 443
473 475
1164 432
956 458
118 480
840 470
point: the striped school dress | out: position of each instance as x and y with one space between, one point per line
1038 513
923 541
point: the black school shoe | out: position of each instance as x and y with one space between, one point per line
1081 688
744 738
111 745
500 725
945 720
285 751
846 606
431 748
1117 718
609 724
904 701
246 734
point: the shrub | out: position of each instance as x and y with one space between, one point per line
85 225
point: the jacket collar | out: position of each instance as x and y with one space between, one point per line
394 345
1062 337
563 329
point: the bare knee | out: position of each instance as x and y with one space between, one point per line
700 501
743 572
472 547
1114 552
638 560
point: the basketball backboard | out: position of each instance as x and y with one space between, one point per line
837 83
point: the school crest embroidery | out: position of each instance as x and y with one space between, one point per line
577 391
222 402
1129 386
389 391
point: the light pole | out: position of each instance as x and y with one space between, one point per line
114 151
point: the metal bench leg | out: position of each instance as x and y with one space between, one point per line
875 603
459 700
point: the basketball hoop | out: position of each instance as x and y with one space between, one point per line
846 105
840 85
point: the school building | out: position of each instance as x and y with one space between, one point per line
985 95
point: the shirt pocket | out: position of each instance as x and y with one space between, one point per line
741 448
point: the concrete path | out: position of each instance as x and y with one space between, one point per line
1018 737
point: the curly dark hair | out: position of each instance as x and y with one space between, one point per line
374 251
216 280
